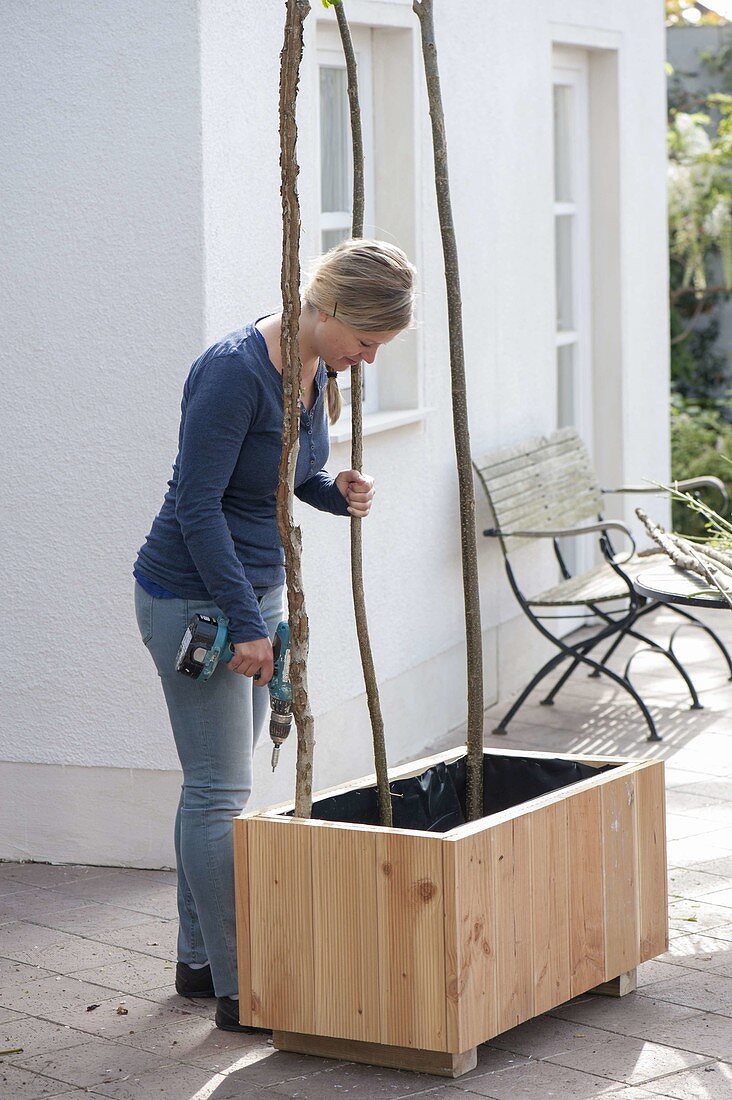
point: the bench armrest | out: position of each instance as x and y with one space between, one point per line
684 486
565 532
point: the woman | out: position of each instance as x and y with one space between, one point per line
214 549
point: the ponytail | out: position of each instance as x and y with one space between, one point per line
335 401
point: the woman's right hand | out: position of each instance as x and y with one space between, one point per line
250 657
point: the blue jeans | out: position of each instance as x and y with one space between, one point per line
216 725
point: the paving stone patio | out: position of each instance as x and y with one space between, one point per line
87 1005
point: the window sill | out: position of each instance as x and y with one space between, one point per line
340 432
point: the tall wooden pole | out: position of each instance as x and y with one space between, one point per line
471 590
357 585
291 535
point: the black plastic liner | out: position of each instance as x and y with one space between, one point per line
435 800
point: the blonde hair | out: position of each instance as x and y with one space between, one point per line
366 284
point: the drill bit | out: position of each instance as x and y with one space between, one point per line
275 756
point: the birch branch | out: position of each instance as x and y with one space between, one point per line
686 556
471 591
290 535
357 583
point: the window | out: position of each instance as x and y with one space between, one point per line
572 248
385 54
574 406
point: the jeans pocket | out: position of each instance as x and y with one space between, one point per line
144 612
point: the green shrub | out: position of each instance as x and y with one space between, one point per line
701 443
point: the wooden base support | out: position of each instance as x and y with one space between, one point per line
438 1062
618 987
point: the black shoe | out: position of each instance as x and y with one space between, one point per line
227 1017
193 983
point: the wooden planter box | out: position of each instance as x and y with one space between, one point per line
408 949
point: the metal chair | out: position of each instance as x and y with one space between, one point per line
546 488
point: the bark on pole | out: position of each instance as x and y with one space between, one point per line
290 535
473 636
357 585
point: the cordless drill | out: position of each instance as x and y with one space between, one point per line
206 642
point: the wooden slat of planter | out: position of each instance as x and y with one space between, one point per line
345 934
559 795
586 937
281 925
470 941
513 902
651 836
550 906
620 862
241 897
411 941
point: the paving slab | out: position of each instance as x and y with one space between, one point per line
194 1039
91 919
49 874
711 1082
153 937
704 915
32 1037
679 826
636 1014
719 897
66 954
629 1060
538 1080
690 882
547 1035
266 1066
356 1081
19 1084
92 1062
122 1016
172 1082
654 971
692 782
134 974
14 973
690 850
166 996
709 991
706 1033
36 903
53 998
698 951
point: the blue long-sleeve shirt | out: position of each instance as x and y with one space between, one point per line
216 535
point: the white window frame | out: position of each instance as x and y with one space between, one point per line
571 69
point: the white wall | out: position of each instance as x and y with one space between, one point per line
142 222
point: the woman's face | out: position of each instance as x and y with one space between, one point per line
342 347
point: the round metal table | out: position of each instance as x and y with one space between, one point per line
667 584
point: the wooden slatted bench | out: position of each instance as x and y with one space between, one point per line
546 488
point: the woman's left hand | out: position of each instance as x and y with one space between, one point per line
358 489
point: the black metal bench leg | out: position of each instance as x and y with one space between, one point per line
573 654
629 631
551 664
708 630
627 686
655 648
548 700
611 649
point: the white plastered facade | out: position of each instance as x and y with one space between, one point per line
142 221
